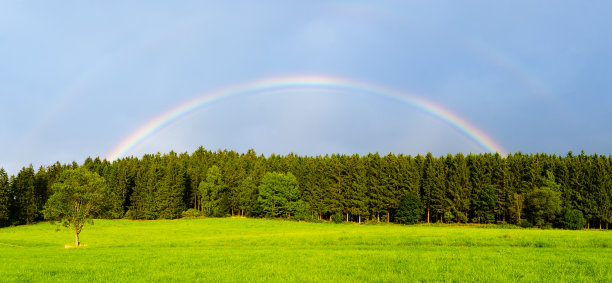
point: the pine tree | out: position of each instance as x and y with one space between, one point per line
428 186
169 195
4 199
374 190
25 205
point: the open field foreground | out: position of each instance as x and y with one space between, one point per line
234 249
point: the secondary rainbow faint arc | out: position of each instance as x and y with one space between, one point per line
303 82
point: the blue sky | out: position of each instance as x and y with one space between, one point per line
77 78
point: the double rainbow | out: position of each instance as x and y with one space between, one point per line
302 83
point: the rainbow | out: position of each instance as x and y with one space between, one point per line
299 83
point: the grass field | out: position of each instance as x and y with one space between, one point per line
234 249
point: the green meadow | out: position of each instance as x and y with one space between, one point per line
238 249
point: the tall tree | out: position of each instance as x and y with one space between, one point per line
25 205
169 196
214 192
543 205
247 195
5 197
429 183
277 194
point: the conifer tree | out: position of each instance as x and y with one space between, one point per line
5 196
25 205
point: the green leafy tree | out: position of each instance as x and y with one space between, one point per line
410 209
572 219
277 192
78 196
301 211
214 193
247 194
543 205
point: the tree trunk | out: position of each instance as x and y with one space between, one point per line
76 239
377 217
388 216
348 221
428 215
360 220
599 223
588 224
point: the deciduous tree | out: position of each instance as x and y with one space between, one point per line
78 196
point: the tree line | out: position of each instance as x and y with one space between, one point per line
525 189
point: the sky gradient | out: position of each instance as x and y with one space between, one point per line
77 79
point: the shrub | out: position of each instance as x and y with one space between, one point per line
461 217
191 213
338 217
410 209
572 219
526 223
448 217
301 211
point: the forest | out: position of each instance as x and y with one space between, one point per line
539 190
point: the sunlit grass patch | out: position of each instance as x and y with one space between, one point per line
238 249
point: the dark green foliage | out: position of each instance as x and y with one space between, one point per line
5 194
338 218
482 188
301 211
449 217
25 204
410 209
526 223
169 196
485 204
571 219
542 205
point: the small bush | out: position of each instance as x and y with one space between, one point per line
191 213
338 217
572 219
526 223
410 209
461 217
448 217
301 211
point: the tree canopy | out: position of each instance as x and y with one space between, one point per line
77 196
473 188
